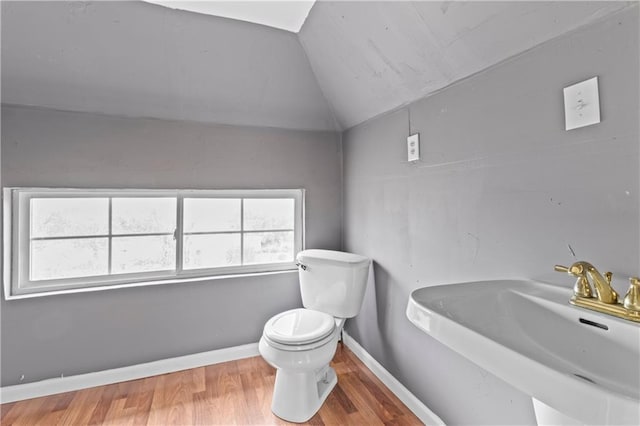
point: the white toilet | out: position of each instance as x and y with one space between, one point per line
300 343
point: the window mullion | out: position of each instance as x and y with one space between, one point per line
179 232
241 231
110 244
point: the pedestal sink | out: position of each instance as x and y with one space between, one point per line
578 365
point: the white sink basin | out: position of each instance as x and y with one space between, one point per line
581 363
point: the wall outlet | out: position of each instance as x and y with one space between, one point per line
413 147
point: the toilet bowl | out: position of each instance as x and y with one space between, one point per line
300 343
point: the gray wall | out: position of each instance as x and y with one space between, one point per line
79 333
502 189
138 59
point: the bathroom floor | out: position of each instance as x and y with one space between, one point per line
236 392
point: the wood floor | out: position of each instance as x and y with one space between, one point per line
236 392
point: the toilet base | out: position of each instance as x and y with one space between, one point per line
297 395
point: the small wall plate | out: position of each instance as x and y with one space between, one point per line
413 147
581 104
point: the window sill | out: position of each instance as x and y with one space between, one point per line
144 284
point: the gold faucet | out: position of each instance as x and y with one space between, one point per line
606 299
583 271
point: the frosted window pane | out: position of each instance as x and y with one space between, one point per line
211 215
211 251
69 258
143 215
268 247
142 254
268 214
69 217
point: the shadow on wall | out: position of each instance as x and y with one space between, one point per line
375 307
381 286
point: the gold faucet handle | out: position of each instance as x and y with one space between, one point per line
560 268
632 298
576 269
582 287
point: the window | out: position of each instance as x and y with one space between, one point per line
65 239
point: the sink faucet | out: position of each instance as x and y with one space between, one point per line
606 299
586 272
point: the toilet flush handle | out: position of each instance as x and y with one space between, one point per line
301 266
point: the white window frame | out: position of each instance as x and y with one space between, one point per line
17 239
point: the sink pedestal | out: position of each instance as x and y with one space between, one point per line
547 416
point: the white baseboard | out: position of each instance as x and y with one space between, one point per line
423 412
123 374
139 371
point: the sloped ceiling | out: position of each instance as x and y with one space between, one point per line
350 62
139 59
371 57
286 15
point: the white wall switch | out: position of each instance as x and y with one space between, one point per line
581 104
413 147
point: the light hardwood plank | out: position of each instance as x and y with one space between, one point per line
235 392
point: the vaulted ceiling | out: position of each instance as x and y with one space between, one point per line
372 57
350 62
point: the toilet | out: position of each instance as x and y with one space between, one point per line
300 343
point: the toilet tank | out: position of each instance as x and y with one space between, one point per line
333 281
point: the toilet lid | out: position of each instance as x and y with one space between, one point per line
299 326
